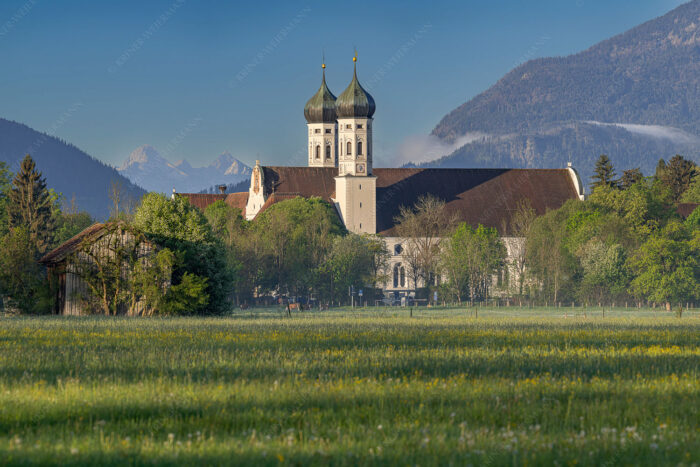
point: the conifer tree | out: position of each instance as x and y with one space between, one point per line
630 177
679 175
604 173
29 205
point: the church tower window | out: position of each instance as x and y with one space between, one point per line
328 151
349 149
359 148
318 151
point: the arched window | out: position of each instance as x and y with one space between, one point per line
349 148
318 151
396 275
359 148
403 277
328 152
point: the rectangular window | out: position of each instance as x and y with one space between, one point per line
348 127
328 131
317 130
359 127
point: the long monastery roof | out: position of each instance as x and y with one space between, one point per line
477 196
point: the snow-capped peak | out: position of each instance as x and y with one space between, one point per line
149 169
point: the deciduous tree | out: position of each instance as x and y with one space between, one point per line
422 228
667 266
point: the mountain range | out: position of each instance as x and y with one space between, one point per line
67 169
634 97
146 167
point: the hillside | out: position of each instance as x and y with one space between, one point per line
67 169
146 167
548 111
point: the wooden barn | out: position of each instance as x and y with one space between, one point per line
87 268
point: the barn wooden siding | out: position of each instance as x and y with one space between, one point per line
73 296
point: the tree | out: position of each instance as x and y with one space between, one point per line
181 227
69 221
643 206
350 263
21 278
660 169
380 255
520 224
151 280
471 258
692 194
232 230
422 228
123 205
667 266
5 187
630 177
297 235
678 176
30 205
604 173
548 258
605 275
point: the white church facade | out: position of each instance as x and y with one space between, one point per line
367 199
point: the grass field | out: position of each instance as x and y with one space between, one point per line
509 387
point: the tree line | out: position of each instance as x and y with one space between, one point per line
626 242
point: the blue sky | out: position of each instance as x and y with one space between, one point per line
197 78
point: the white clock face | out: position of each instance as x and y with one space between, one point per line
360 168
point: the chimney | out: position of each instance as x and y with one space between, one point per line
222 189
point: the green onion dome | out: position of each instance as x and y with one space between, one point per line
321 107
355 101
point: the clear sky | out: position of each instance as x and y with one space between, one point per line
195 78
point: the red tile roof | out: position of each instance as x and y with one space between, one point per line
203 200
237 200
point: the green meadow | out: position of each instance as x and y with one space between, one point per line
440 387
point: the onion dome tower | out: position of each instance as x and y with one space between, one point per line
355 108
320 114
355 186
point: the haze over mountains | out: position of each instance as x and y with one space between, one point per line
635 97
67 169
146 167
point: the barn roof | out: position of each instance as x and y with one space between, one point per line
72 245
476 196
686 209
